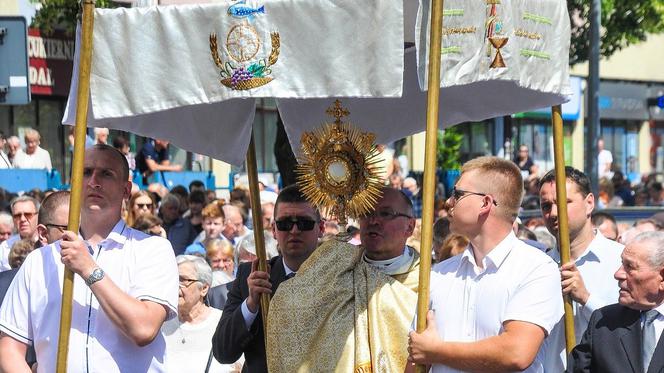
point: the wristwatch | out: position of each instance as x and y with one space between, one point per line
96 275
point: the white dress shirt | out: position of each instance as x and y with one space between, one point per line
142 266
516 282
597 265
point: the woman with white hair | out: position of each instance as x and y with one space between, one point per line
189 336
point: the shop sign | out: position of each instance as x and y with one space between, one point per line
51 59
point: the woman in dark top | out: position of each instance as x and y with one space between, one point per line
528 168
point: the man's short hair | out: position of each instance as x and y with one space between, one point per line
24 198
196 184
598 218
655 242
572 174
292 194
502 179
441 229
6 219
202 269
145 222
50 204
404 198
122 160
120 142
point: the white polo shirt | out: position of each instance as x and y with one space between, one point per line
597 265
517 282
143 266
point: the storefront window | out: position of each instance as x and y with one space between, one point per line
621 138
537 134
477 139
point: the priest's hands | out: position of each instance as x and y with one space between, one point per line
423 347
572 283
258 283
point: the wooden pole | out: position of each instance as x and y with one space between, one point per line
259 238
563 223
429 184
82 97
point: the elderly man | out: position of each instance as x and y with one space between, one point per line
586 278
6 226
627 337
493 305
349 308
125 286
297 228
234 226
24 213
179 230
34 156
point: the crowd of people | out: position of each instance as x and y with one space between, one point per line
167 280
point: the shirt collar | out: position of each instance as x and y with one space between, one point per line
286 269
496 256
116 235
589 255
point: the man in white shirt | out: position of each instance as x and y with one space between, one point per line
587 278
34 156
604 161
627 337
24 213
4 159
125 286
494 305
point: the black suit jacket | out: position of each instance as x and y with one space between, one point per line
232 339
6 278
612 343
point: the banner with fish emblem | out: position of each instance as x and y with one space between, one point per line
504 54
171 71
157 58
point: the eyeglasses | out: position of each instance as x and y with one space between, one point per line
144 205
186 282
60 227
28 215
386 215
285 225
458 194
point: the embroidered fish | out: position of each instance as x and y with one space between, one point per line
241 10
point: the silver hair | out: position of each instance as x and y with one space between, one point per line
170 199
24 199
6 219
203 270
655 243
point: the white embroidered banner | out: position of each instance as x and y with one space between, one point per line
499 56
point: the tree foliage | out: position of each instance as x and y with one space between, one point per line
624 22
62 15
449 143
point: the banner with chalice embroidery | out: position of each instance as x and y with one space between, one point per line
498 56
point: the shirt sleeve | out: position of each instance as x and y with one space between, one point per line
538 299
247 315
156 277
15 309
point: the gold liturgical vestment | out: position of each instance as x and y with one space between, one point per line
340 314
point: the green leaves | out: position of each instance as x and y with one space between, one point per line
624 23
62 15
449 143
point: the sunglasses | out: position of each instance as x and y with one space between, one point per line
458 194
144 205
60 227
28 215
285 225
